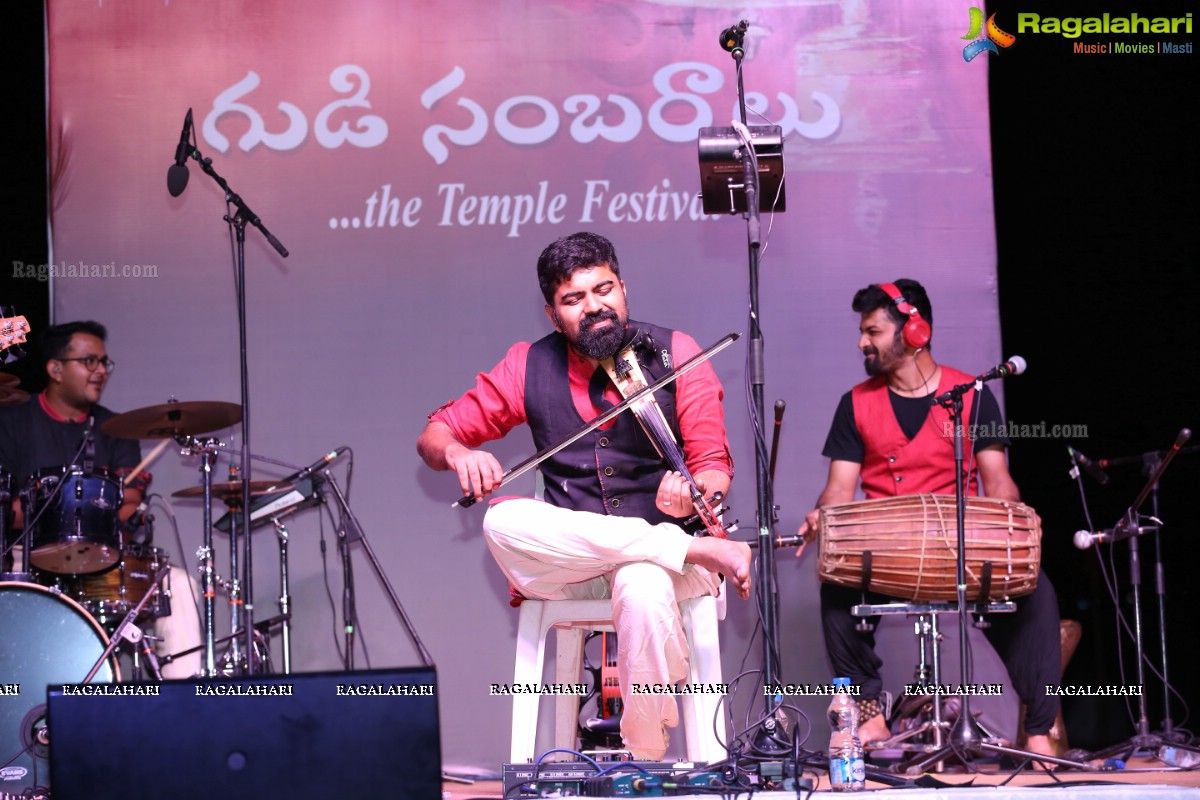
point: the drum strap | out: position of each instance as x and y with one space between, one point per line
985 582
866 571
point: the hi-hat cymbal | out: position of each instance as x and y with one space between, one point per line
231 492
169 420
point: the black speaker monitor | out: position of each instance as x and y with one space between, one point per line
340 734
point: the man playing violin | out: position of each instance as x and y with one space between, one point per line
609 525
887 434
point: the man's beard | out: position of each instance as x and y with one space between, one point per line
878 366
603 343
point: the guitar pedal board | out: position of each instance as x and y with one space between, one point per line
620 779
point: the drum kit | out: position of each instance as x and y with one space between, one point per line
80 591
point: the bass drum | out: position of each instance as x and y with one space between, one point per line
48 639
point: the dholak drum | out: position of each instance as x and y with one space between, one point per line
48 639
111 594
906 547
76 530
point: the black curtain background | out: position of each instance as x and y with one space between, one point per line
1095 182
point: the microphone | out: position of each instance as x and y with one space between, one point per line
1014 366
328 458
1085 539
731 37
138 518
177 173
89 446
780 541
1089 466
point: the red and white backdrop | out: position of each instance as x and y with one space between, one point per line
415 159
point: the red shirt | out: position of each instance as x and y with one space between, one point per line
497 404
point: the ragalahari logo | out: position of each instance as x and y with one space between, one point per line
994 40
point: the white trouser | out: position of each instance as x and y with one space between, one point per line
551 553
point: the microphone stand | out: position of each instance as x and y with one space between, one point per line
238 220
350 531
1150 463
766 592
966 737
1143 739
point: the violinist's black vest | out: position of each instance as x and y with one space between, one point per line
614 471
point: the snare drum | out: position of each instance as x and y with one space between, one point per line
909 547
111 594
77 530
48 639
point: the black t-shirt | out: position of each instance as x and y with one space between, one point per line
32 440
844 443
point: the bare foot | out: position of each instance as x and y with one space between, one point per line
731 559
1041 744
874 730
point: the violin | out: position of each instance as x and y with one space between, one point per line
468 500
626 374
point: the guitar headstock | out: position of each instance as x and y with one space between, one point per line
13 333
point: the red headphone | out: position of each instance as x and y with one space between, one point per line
917 332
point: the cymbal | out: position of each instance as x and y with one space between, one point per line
232 491
169 420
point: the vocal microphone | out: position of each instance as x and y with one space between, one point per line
1014 366
1085 539
177 173
1089 466
731 37
328 458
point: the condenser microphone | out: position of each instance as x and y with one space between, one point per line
1085 539
177 173
328 458
1014 366
1089 466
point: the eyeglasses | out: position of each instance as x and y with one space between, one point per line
91 362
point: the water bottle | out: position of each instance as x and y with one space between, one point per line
846 770
1174 757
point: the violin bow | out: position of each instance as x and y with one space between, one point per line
467 501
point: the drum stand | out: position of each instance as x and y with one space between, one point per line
207 450
285 599
966 737
929 664
127 631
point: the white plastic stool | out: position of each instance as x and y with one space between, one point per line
573 619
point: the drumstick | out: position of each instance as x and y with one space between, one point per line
155 453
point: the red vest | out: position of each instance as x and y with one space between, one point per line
894 465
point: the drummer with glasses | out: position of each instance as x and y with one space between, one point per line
47 435
887 435
48 431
